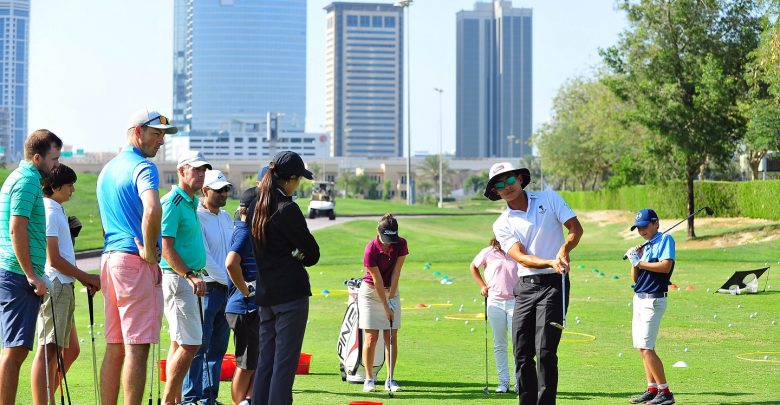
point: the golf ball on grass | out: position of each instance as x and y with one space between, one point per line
620 354
437 318
730 325
472 330
739 306
766 357
467 322
685 350
81 340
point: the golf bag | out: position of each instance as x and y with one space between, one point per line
350 344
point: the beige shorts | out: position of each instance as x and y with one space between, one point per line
64 301
181 310
647 321
371 311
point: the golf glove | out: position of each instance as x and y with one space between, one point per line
392 304
633 256
297 254
250 285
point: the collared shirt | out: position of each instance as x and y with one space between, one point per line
242 245
119 187
21 195
217 231
180 222
385 260
57 226
538 229
661 247
500 272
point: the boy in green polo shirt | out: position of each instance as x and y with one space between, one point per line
183 256
23 255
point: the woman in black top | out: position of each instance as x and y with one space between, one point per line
283 246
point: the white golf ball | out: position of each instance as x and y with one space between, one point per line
730 325
751 316
321 273
99 334
475 300
81 340
588 298
620 354
629 305
739 306
715 316
448 301
101 325
774 323
437 318
472 329
90 332
443 281
307 321
708 290
577 318
577 321
766 357
467 322
460 309
685 350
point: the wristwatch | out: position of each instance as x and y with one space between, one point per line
189 274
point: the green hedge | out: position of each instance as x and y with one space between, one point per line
754 199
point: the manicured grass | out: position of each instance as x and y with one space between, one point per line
442 362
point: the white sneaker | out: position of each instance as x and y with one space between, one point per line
368 385
392 386
502 388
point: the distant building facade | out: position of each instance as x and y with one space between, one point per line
364 79
238 61
14 49
494 81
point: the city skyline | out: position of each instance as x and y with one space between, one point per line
88 78
14 53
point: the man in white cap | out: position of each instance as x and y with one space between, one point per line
130 212
183 260
529 231
217 227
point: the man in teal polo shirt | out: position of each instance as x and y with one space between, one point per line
23 255
183 256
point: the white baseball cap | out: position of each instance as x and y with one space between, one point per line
153 119
192 158
502 168
215 180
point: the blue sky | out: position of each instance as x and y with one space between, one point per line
94 62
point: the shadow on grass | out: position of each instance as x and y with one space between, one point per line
433 390
593 395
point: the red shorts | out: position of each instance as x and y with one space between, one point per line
132 297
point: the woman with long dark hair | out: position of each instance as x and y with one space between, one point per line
283 247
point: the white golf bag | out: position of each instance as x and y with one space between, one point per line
350 344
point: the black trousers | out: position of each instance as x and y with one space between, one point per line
537 304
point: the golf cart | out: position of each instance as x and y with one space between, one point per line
323 200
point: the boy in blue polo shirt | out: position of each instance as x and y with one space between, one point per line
651 268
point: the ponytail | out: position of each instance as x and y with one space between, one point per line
496 246
265 206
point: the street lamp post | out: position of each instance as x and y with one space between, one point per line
441 151
405 5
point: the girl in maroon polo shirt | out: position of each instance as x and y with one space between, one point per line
378 300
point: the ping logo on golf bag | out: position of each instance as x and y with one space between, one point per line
348 327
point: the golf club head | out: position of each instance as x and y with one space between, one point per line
558 325
485 390
709 211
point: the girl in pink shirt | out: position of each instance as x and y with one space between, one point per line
501 274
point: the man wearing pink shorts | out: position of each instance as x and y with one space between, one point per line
130 211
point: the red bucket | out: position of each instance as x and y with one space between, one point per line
228 367
162 370
303 364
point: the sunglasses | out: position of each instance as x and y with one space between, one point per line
509 181
225 189
163 121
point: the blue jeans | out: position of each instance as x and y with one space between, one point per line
282 328
216 335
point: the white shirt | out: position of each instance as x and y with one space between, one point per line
57 226
217 230
539 229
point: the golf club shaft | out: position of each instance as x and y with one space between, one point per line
709 212
563 298
60 362
91 303
206 352
45 355
390 364
486 349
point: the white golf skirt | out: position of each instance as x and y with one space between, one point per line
372 312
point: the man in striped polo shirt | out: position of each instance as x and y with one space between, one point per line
23 255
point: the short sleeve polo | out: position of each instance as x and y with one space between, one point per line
539 229
375 256
180 221
21 195
661 247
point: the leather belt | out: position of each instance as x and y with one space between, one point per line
552 278
651 295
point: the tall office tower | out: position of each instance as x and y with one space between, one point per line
15 30
237 61
364 79
494 81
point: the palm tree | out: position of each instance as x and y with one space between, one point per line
430 171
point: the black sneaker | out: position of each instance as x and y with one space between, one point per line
663 398
646 396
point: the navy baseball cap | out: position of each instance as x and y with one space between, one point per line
289 163
261 172
644 217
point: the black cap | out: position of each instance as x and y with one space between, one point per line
288 164
248 197
388 230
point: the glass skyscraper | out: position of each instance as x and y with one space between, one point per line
493 81
237 60
364 79
15 29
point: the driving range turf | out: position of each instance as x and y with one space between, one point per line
443 362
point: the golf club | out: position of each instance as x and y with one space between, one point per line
485 390
159 352
151 376
206 352
58 353
90 302
45 356
562 325
708 210
390 363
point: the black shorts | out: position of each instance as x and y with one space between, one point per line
246 338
